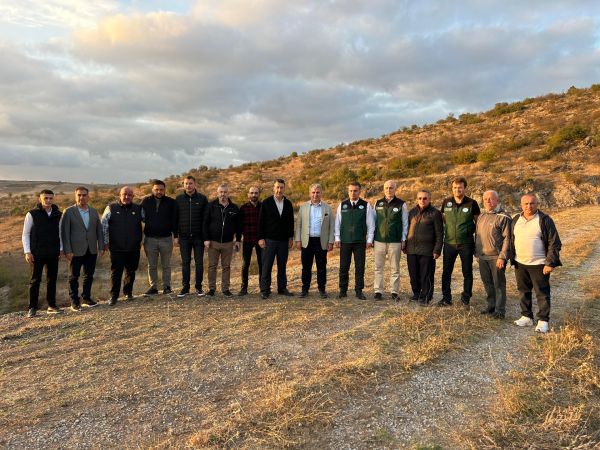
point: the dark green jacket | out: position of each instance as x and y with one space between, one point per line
390 220
459 220
353 222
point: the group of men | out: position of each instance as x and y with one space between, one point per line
459 228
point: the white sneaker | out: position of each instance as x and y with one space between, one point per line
525 321
542 327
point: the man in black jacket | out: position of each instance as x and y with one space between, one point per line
160 214
122 227
275 237
221 225
191 207
535 250
42 248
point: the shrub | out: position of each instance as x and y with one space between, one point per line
464 156
487 155
468 118
506 108
564 138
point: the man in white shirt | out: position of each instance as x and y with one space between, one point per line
535 253
42 247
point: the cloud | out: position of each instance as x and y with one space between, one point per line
234 81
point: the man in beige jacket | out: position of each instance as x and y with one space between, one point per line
314 238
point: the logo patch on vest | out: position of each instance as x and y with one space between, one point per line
380 203
344 206
395 210
361 206
465 209
449 204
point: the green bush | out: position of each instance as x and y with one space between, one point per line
464 156
468 118
564 138
506 108
488 155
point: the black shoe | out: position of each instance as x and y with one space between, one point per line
184 291
465 301
201 293
342 294
76 307
487 311
88 302
112 301
395 297
286 293
443 303
264 295
377 296
53 310
422 302
498 315
211 293
413 298
323 294
128 297
243 292
360 295
151 291
167 290
32 312
304 294
227 293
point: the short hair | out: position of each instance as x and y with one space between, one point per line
317 186
355 183
492 192
531 194
391 181
158 183
254 187
457 180
223 186
82 188
46 192
189 177
424 190
279 180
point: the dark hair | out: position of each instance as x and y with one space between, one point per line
158 182
82 188
189 177
46 192
460 180
355 183
279 180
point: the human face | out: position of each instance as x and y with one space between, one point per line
82 198
126 195
423 200
223 194
353 192
47 200
278 190
490 201
458 190
389 189
529 205
189 186
253 194
158 190
315 195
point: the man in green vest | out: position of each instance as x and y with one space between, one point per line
354 230
460 216
391 226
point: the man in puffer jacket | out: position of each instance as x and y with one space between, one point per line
492 246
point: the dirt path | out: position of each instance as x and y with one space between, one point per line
430 407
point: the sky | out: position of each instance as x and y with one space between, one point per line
123 91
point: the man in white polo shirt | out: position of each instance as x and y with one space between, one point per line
535 253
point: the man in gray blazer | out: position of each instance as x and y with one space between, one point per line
81 234
314 238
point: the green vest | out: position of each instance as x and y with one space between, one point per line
458 222
353 227
388 221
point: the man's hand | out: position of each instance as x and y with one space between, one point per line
436 255
547 270
69 256
369 245
176 242
291 243
262 243
337 244
500 264
207 244
29 258
236 246
298 245
329 247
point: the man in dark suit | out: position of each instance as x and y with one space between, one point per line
275 237
82 238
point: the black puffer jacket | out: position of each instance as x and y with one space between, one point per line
192 209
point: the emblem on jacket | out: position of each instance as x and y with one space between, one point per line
361 207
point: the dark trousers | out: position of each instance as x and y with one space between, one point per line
494 282
247 257
186 246
359 250
465 251
88 262
51 265
532 278
314 252
421 269
119 261
279 250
